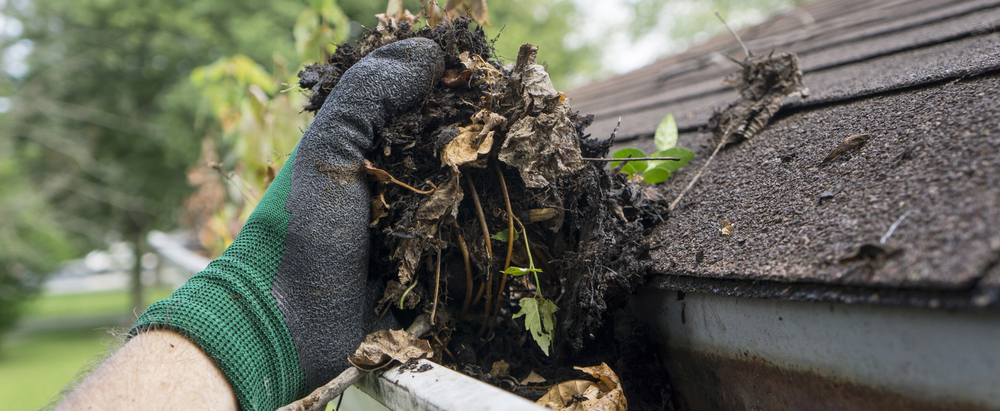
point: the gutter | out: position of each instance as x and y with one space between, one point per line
736 353
427 386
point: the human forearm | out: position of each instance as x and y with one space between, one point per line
158 369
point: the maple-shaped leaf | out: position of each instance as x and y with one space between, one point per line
539 319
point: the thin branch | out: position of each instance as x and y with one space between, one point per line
482 219
722 142
383 175
738 39
437 286
510 249
468 268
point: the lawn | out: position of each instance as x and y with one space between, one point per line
35 365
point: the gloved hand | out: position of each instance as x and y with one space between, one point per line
285 305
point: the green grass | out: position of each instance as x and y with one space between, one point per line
35 367
89 304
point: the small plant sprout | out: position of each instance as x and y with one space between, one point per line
539 313
656 171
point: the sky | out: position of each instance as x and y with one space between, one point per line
608 21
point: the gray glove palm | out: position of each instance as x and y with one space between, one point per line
284 306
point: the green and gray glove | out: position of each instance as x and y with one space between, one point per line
285 305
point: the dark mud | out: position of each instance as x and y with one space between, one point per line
585 223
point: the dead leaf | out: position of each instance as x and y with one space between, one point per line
541 214
763 84
500 369
461 150
484 72
727 228
473 142
605 395
381 348
542 143
848 145
474 9
443 201
533 378
379 208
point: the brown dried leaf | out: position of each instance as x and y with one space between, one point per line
543 148
533 378
443 201
379 208
606 395
462 150
380 348
542 142
727 228
500 369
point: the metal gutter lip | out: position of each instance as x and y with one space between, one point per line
429 386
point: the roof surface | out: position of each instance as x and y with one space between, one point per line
922 78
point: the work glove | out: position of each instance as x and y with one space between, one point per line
285 305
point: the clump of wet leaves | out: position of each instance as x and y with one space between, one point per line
495 150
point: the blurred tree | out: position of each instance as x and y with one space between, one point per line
110 103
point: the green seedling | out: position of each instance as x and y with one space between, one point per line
656 171
539 313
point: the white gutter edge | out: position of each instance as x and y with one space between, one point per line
429 386
173 251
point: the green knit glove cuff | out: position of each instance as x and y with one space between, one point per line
228 309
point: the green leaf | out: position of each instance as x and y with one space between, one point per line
682 153
632 167
518 271
666 133
503 236
656 175
539 319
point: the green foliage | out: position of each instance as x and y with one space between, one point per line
656 171
518 271
539 319
503 236
666 133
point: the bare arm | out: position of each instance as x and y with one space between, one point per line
158 369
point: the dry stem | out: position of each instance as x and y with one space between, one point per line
468 268
510 251
437 286
482 219
722 142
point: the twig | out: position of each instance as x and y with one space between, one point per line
482 219
382 175
631 159
437 286
468 268
738 39
510 249
243 187
510 216
317 400
892 228
722 142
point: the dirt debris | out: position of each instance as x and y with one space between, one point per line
489 124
